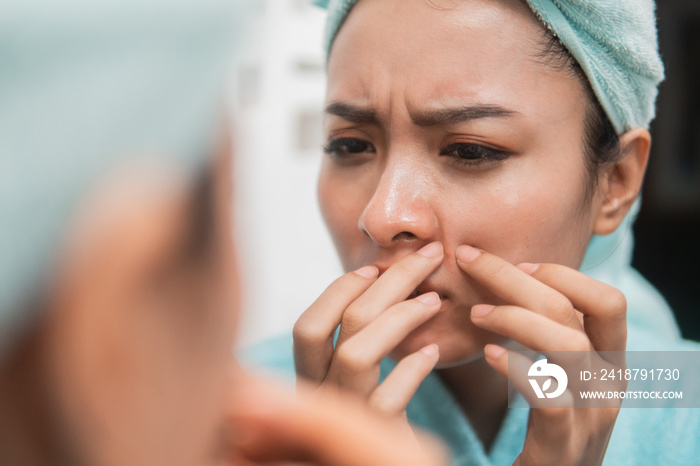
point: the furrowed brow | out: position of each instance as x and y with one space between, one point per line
450 116
352 113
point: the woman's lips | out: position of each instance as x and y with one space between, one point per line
425 287
422 290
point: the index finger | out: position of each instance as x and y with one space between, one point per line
392 287
313 332
604 307
514 286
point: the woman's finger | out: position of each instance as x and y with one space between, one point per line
267 425
533 330
394 394
313 332
604 308
514 286
393 286
355 364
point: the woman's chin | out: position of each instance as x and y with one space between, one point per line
451 354
455 348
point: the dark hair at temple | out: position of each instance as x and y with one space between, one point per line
202 212
601 142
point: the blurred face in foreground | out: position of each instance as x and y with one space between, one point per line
133 363
444 124
137 343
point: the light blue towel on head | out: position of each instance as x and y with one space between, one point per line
615 42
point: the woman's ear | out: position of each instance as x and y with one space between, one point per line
621 183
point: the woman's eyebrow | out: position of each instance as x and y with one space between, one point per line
443 116
450 116
353 113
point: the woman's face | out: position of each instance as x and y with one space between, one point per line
143 319
447 124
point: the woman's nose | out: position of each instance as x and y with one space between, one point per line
400 209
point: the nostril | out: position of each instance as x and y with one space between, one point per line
394 216
405 236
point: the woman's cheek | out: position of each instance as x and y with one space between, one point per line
518 220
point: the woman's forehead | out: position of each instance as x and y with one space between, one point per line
480 52
404 27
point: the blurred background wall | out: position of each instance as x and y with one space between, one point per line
288 256
285 251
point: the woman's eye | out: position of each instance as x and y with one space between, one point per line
348 147
473 154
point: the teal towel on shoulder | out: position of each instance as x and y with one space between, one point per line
641 437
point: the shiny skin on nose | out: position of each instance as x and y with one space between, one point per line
400 209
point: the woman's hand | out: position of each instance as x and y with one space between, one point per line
374 316
266 425
551 308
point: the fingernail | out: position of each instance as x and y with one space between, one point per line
429 299
431 250
467 254
528 268
368 271
493 351
480 310
431 350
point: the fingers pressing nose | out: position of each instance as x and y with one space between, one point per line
399 210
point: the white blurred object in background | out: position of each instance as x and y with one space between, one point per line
285 252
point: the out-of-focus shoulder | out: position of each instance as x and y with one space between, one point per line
273 355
